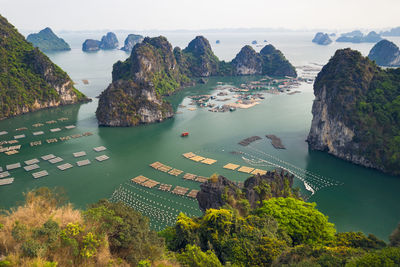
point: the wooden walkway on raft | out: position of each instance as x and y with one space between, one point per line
178 190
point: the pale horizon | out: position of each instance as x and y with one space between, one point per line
189 15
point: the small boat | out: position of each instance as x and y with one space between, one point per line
184 134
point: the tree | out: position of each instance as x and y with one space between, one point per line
301 220
395 237
194 257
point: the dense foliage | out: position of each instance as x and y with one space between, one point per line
46 41
45 231
27 77
367 99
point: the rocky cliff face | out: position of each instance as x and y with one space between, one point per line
156 71
219 191
109 41
385 53
322 38
354 112
247 62
130 42
275 63
135 95
28 79
91 45
359 37
199 59
46 40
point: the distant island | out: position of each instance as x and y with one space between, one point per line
385 53
154 70
356 112
359 37
130 42
29 81
47 41
108 42
392 32
322 38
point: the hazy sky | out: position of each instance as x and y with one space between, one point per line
200 14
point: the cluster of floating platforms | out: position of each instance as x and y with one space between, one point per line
178 190
32 164
244 169
62 138
197 158
175 172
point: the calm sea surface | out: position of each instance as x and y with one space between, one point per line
354 198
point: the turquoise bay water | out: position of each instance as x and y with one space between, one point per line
355 198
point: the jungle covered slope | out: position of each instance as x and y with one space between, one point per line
28 79
356 112
154 70
46 40
279 231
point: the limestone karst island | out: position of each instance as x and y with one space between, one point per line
173 133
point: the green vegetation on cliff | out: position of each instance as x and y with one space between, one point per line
367 100
28 79
46 41
48 231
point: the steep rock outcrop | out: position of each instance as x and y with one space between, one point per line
322 38
358 37
46 41
385 53
109 41
154 68
135 95
247 62
130 42
198 59
275 63
220 191
29 81
355 114
91 45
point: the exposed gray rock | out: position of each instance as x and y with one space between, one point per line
130 41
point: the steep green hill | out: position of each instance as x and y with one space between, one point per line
46 41
28 79
357 112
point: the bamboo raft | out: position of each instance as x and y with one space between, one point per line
37 125
47 157
6 181
248 141
99 148
52 140
36 143
55 130
64 166
69 127
51 122
165 187
175 172
11 152
31 161
40 174
193 193
13 166
102 158
79 154
31 167
3 132
179 190
19 136
55 160
197 158
4 174
38 133
83 162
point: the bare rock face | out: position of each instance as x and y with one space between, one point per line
135 95
247 62
217 192
30 81
349 119
211 194
130 41
109 41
